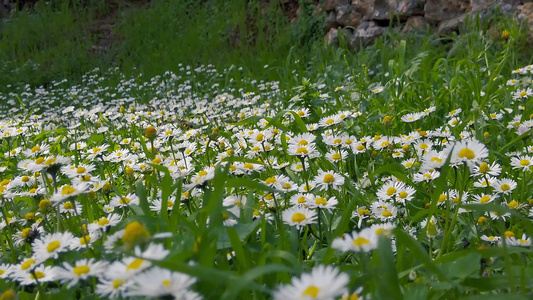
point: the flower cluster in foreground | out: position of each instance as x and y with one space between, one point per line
134 200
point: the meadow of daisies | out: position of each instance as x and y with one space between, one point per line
408 179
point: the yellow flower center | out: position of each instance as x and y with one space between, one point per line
27 264
301 200
484 199
134 265
298 217
50 161
509 234
25 232
360 241
117 283
25 179
67 190
442 198
301 150
330 121
135 232
523 94
85 240
321 201
248 166
124 200
505 187
311 291
336 156
53 246
328 178
524 162
270 180
68 205
360 148
35 149
37 275
391 191
513 204
466 153
81 270
403 194
386 214
484 168
260 137
166 283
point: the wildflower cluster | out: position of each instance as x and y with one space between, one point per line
138 200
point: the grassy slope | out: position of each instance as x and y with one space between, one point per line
57 41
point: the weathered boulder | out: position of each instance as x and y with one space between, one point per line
365 34
416 23
347 15
451 25
331 21
384 9
332 37
525 15
440 10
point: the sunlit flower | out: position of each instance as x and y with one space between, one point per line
323 283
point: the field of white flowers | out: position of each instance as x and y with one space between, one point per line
394 183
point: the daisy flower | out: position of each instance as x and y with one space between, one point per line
491 239
329 121
67 191
484 198
383 210
159 282
522 162
412 117
323 283
301 199
328 179
51 245
364 241
322 202
86 241
389 190
484 168
505 186
82 270
336 156
38 275
426 176
469 151
299 216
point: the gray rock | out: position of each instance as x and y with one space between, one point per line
416 23
332 37
525 15
383 9
347 15
365 34
331 21
451 25
439 10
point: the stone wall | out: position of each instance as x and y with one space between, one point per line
362 21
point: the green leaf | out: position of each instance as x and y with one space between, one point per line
388 284
418 252
143 201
